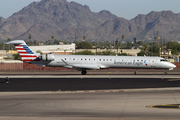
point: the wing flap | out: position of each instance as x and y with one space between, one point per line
83 66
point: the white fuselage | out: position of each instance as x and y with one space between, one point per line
102 62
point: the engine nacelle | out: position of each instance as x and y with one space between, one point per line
48 57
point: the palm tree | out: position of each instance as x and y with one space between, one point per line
146 48
30 36
8 41
116 45
52 37
155 38
123 37
84 38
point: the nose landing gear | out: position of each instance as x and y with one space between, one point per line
83 72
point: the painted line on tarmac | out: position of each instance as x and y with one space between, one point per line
165 106
122 90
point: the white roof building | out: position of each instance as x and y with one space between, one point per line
53 48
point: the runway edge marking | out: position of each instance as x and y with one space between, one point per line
122 90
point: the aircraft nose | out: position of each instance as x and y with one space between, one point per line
173 66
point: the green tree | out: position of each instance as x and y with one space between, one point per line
30 36
52 37
107 52
139 43
141 53
84 38
107 44
174 47
56 42
35 42
9 44
122 54
123 37
154 49
129 45
84 45
146 48
38 51
16 56
85 52
116 43
8 39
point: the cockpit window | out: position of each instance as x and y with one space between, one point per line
163 60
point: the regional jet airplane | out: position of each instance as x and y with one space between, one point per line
88 62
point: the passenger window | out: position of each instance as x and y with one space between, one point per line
107 60
73 58
110 59
65 58
99 59
103 59
81 59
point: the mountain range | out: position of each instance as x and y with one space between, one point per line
62 19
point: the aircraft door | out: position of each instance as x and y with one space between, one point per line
153 63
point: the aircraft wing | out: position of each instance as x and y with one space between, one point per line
82 66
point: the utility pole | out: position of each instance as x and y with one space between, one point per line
117 45
157 37
75 42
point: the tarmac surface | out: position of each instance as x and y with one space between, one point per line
100 96
75 84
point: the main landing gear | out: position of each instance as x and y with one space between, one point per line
165 72
83 72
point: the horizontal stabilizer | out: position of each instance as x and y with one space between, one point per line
17 42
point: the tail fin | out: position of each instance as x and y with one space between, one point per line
24 51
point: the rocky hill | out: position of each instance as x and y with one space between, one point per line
142 27
52 17
62 19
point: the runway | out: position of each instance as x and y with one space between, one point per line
91 97
79 82
89 106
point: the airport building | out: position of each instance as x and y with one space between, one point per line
55 49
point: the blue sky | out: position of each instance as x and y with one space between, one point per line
127 9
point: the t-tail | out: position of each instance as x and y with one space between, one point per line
26 54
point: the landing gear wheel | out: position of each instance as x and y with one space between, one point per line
83 72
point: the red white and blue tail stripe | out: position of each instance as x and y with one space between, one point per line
24 51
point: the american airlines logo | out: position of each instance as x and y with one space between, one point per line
129 63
